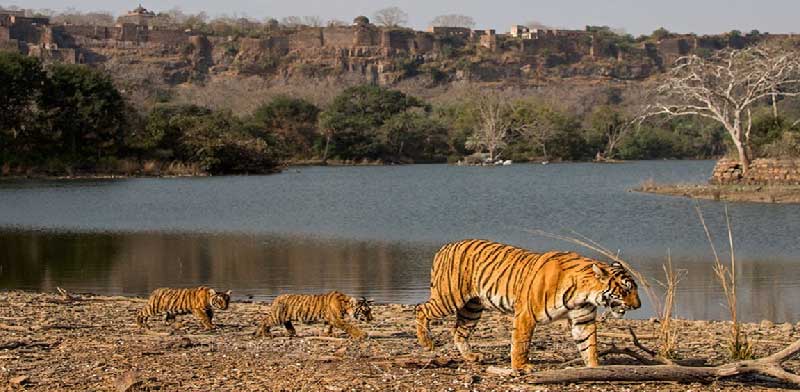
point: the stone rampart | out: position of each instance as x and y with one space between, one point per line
762 172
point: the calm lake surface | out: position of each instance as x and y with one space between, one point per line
373 230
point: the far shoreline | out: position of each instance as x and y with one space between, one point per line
769 194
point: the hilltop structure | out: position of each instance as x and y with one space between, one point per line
382 55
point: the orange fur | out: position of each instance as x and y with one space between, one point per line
199 301
469 275
331 308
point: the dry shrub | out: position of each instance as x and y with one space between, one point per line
666 333
739 346
648 185
151 168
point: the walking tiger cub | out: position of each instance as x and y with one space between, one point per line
331 308
538 288
199 301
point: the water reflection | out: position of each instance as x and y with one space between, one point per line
265 266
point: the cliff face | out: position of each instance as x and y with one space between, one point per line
143 57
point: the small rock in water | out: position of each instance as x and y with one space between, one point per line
766 324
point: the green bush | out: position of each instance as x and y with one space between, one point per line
356 115
293 120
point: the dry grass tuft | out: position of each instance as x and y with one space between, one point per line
739 346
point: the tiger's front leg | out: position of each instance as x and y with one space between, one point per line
584 332
336 320
203 318
524 325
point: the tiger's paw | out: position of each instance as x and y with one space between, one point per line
524 369
426 343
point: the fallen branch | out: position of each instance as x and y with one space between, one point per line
769 366
614 350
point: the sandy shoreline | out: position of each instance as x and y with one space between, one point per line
92 343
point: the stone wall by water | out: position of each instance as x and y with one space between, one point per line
762 172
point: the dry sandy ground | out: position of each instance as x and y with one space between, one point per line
92 343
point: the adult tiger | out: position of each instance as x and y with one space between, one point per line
199 301
537 287
331 308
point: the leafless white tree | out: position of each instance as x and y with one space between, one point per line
390 17
313 21
494 124
336 23
291 21
725 87
453 20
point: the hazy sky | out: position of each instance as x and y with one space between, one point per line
635 16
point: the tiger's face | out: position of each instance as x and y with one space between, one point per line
617 290
362 310
220 300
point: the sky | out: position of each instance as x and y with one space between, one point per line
634 16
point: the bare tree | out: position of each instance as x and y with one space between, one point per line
536 25
494 125
336 23
291 21
725 87
611 126
390 17
313 21
453 20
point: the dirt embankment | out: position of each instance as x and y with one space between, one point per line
785 194
48 343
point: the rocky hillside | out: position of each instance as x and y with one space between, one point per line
150 61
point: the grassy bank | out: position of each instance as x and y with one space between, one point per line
92 343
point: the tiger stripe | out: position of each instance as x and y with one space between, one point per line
199 301
538 288
331 308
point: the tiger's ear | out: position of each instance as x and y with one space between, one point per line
228 293
599 273
212 292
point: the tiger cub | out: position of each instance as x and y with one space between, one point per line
199 301
537 288
331 308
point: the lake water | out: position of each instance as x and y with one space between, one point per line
373 230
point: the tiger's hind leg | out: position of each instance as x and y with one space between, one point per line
426 312
466 319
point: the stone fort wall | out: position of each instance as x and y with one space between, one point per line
762 172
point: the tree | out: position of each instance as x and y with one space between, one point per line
453 20
390 17
494 125
292 119
609 127
725 87
415 137
353 119
83 109
21 82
